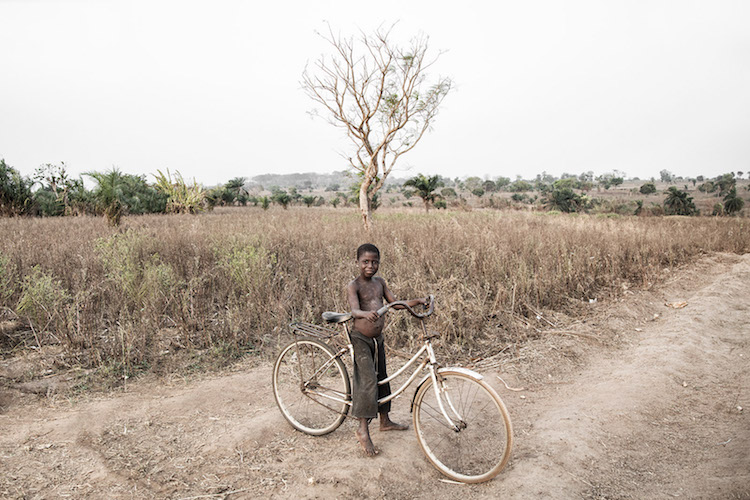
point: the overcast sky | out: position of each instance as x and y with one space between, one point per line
211 89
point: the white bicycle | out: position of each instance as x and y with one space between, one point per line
461 423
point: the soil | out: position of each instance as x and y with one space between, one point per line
642 399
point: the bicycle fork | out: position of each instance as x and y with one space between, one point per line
442 394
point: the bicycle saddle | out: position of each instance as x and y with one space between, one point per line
334 317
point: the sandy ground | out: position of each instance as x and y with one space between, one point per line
639 401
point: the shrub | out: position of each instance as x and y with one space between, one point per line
7 288
42 301
648 188
565 200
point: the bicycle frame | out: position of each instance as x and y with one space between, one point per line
429 362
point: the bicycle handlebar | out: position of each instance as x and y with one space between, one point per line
406 306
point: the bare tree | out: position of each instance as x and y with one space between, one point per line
380 94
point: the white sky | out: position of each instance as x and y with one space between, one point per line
211 89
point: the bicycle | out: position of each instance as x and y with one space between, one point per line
461 423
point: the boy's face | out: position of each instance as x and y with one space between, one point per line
368 264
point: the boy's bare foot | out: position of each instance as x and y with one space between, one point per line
386 424
366 442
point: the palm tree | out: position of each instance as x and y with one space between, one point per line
679 203
109 194
732 202
425 187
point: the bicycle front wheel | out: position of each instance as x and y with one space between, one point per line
481 446
311 387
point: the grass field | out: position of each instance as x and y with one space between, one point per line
156 291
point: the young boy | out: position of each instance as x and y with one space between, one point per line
365 295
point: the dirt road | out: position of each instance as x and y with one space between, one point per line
640 401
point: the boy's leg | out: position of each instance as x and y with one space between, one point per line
364 380
364 388
386 424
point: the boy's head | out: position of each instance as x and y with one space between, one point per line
367 247
368 260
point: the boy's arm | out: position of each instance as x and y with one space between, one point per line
353 299
392 298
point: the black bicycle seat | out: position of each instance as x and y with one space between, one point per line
334 317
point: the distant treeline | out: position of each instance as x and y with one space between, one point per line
51 191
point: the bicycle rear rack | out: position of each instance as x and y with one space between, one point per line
311 330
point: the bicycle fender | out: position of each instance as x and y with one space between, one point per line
465 371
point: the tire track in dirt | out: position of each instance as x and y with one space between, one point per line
655 418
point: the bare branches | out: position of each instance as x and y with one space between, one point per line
378 92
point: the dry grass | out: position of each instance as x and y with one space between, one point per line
161 288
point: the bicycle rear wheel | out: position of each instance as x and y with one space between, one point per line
311 386
480 449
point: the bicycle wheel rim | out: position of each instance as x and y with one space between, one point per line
479 451
306 407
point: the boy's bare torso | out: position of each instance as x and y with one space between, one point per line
370 294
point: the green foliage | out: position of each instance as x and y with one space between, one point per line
520 186
182 198
609 180
42 299
666 176
48 204
354 195
146 281
638 207
109 194
566 183
472 183
489 186
248 265
478 192
564 199
265 202
440 204
425 188
679 203
7 287
309 201
725 183
501 182
733 203
15 191
648 188
281 197
448 193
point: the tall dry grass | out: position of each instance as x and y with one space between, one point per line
230 281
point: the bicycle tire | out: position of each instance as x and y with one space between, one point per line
304 399
478 452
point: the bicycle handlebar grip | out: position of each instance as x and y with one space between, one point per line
383 310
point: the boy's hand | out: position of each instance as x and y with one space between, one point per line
372 316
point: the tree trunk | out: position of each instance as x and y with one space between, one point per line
364 205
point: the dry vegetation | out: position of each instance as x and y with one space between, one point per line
163 293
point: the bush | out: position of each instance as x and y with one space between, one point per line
43 300
15 191
648 188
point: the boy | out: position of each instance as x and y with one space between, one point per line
365 295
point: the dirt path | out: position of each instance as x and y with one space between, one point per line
654 414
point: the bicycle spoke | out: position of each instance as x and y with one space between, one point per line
306 378
475 452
